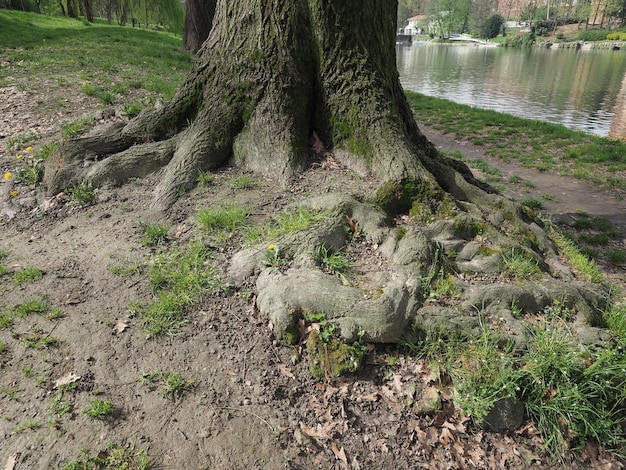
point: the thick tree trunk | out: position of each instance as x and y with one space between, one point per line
270 74
198 20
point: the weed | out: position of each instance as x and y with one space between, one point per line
298 218
515 179
132 109
335 263
243 182
47 149
99 408
154 234
179 277
532 203
616 255
225 217
28 274
73 128
174 386
27 426
128 269
548 197
114 457
31 174
326 329
37 339
37 305
82 193
205 178
273 258
520 264
11 392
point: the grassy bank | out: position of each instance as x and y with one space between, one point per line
534 144
101 60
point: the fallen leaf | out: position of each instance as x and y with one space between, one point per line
120 326
340 455
286 371
446 436
66 379
11 461
320 433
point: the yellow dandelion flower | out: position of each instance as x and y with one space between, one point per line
28 149
271 247
7 175
19 157
14 193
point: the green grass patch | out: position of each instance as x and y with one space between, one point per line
154 234
179 277
291 220
99 408
227 217
535 144
113 457
27 275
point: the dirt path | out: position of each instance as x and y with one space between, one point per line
253 404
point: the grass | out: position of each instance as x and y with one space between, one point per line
519 264
332 262
291 220
154 234
534 144
173 385
27 275
151 64
83 194
227 217
113 457
244 181
99 408
179 277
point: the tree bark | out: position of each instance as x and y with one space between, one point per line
269 75
198 20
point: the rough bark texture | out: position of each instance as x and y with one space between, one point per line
198 21
269 75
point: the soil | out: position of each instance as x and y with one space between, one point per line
253 403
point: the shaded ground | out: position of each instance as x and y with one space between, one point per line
253 404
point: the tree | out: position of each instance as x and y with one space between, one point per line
274 76
198 21
492 27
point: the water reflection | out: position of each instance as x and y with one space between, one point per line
583 90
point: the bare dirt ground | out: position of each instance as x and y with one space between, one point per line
253 403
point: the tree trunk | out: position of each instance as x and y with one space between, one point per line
198 21
269 75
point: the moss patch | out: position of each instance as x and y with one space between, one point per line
332 358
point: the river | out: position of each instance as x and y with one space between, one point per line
581 89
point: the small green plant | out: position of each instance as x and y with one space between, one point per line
244 181
292 220
532 203
132 109
127 269
114 457
37 305
83 193
327 330
174 386
154 234
31 174
515 179
616 255
11 392
225 217
205 178
273 258
335 263
28 274
73 128
519 264
99 408
37 339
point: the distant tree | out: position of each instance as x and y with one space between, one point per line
198 21
492 26
449 16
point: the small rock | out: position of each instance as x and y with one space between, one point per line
507 414
429 403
